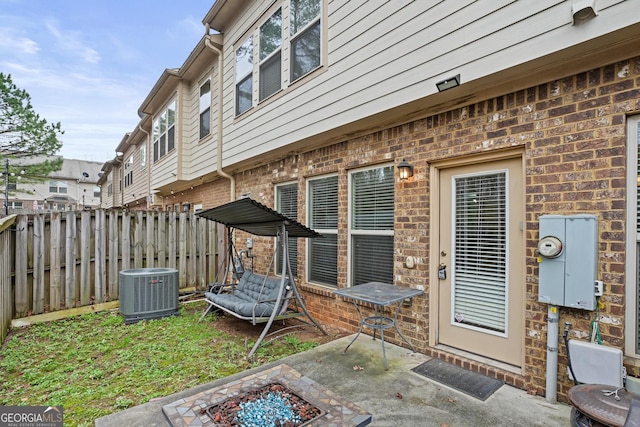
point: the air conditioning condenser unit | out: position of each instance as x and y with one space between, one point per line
148 293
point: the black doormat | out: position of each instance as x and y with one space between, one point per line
472 383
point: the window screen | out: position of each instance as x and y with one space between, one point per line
305 37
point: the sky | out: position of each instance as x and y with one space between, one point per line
89 64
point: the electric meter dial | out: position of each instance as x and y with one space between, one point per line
550 247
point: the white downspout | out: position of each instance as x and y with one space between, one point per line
219 169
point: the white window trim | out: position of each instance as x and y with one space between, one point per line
253 32
172 104
248 74
143 156
631 287
201 110
351 232
319 230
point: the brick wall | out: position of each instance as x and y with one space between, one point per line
209 195
573 135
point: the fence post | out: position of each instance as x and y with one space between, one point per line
38 264
55 276
70 262
114 238
21 283
100 257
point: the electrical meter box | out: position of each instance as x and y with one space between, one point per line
568 260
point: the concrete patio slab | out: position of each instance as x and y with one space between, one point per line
396 397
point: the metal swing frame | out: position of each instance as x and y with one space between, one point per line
250 216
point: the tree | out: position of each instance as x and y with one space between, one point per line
25 135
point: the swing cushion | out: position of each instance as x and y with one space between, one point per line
248 295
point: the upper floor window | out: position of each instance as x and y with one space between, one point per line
128 172
305 37
164 132
244 72
57 187
205 109
96 191
143 156
303 40
270 58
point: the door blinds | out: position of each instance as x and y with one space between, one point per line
480 240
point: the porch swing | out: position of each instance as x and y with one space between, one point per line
258 298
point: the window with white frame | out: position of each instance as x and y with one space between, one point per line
287 205
164 132
57 187
632 347
143 156
270 57
322 211
244 74
128 172
205 109
371 204
96 191
304 41
305 37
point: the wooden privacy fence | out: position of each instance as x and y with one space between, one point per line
61 260
6 296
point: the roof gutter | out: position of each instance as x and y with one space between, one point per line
219 169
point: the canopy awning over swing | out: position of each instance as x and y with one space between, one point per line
253 217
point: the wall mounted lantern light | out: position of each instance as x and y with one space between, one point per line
405 170
583 10
449 83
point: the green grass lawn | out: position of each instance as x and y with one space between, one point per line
94 364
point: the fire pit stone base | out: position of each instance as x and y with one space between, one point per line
191 411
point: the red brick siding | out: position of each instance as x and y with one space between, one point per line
573 132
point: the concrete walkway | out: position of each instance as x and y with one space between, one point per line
397 397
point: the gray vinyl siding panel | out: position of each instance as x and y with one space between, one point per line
385 54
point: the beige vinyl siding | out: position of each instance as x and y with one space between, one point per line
189 130
382 56
200 155
163 171
140 184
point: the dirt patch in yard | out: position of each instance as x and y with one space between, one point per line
239 328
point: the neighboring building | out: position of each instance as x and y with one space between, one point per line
505 111
74 187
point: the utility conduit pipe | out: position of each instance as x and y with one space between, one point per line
552 354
